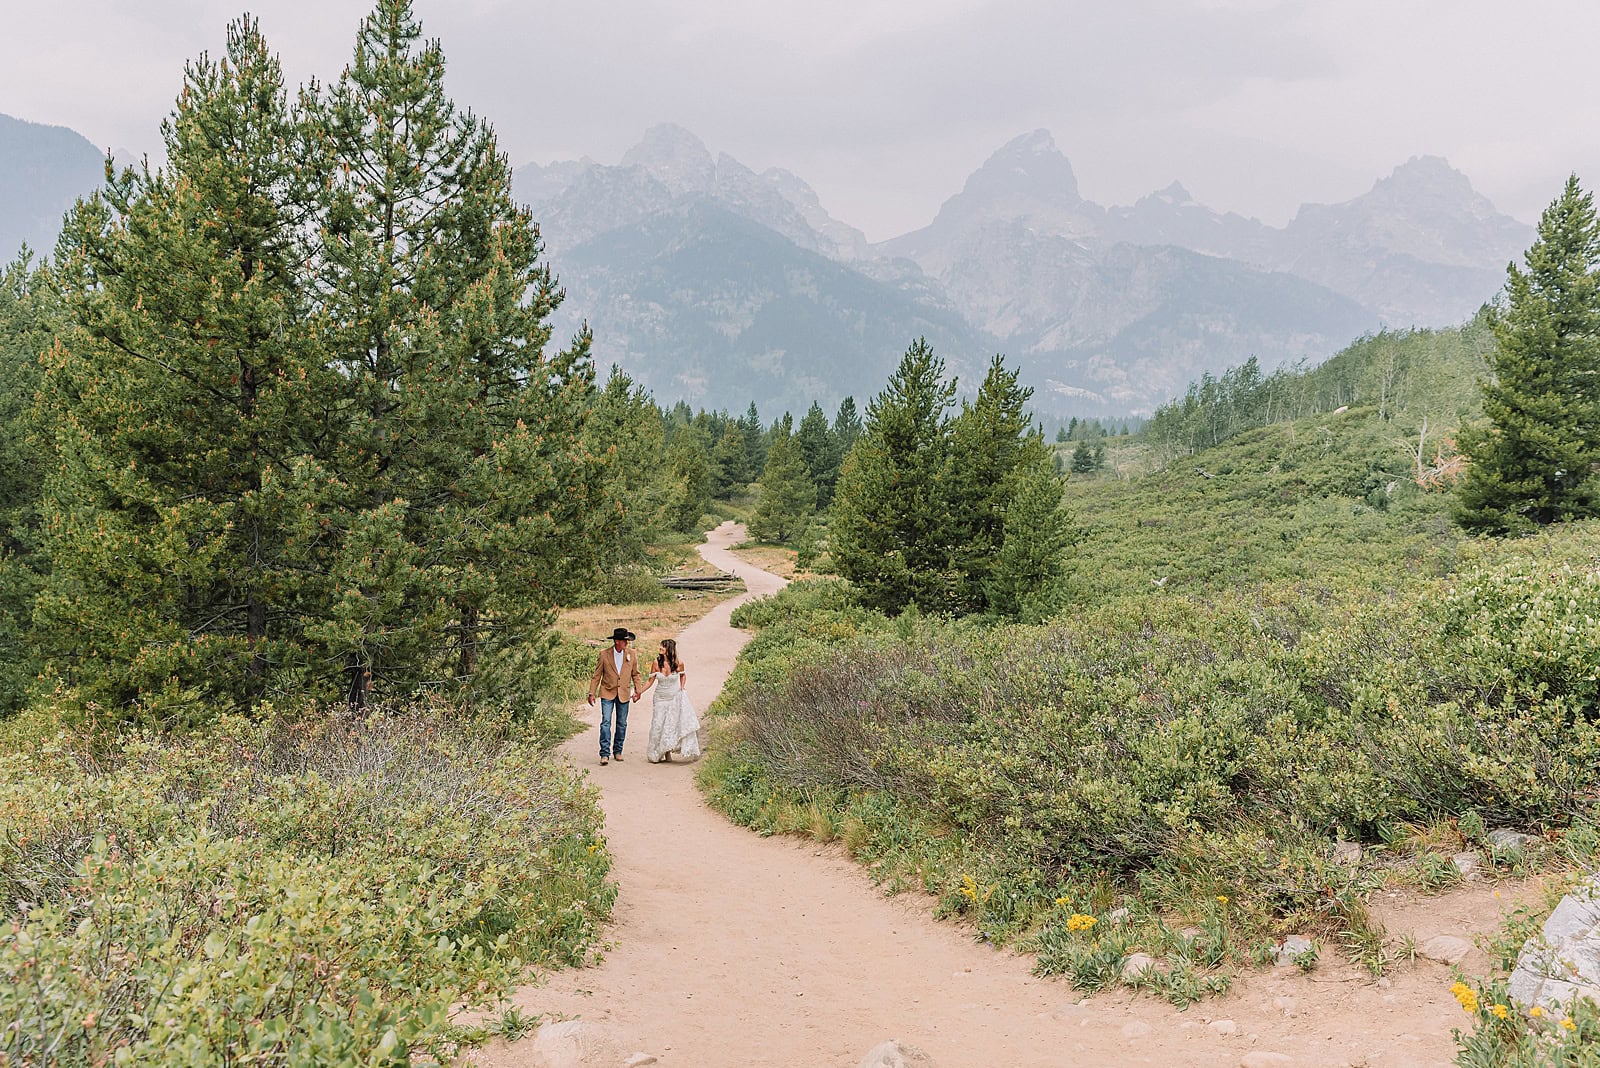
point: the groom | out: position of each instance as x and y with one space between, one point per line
616 678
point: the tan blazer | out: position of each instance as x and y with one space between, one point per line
610 684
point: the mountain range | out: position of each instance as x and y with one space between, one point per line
714 283
709 281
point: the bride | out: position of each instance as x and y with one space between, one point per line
674 728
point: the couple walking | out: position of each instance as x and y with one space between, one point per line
674 727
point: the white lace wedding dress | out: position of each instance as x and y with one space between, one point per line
674 727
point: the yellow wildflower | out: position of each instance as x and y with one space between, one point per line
1466 995
1080 922
1222 898
1500 1011
1566 1021
969 888
1536 1012
1063 901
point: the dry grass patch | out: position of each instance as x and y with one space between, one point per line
778 559
593 624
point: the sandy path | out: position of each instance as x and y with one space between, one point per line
733 950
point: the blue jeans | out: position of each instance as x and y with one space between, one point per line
607 705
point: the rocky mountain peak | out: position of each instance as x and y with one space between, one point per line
1027 166
675 157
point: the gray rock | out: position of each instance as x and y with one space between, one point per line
1510 841
1446 949
1119 915
1293 948
894 1054
1347 854
574 1044
1137 964
1468 863
1224 1027
1564 961
639 1060
1265 1059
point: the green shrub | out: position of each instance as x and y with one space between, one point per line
301 890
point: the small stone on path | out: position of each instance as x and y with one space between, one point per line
1224 1027
892 1054
1286 1005
574 1044
638 1060
1446 949
1136 1029
1265 1059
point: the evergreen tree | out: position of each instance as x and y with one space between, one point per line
788 496
1538 460
846 427
1062 437
755 439
990 441
186 401
689 461
1083 458
819 451
730 461
1100 456
1025 581
891 530
438 303
25 330
634 495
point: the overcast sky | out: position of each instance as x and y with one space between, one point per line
885 106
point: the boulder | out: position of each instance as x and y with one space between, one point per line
1293 948
1564 961
1137 964
1509 841
574 1044
894 1054
1446 949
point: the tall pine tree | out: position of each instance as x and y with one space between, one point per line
990 441
788 496
819 451
187 399
430 275
1538 459
891 528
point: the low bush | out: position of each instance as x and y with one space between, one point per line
1172 749
299 890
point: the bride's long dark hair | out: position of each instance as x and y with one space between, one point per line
669 657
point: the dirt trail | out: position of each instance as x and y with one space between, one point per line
733 950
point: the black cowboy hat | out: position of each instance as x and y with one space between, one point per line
624 634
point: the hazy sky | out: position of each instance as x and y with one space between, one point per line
885 106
